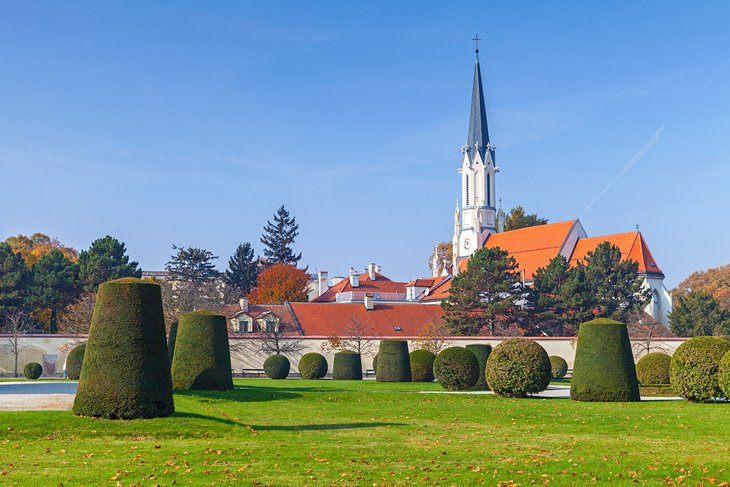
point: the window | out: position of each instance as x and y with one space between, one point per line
397 328
489 191
657 308
245 326
467 190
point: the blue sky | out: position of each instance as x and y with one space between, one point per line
189 123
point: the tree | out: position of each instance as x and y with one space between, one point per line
278 238
77 318
518 218
105 260
54 285
243 269
697 313
279 283
444 258
14 278
279 338
15 326
646 333
37 245
555 309
483 298
192 265
611 286
433 336
715 281
355 336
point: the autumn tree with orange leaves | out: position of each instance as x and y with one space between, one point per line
37 245
714 281
279 283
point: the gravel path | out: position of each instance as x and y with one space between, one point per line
37 396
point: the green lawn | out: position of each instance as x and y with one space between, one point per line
299 432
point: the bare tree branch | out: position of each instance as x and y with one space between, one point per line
15 327
356 336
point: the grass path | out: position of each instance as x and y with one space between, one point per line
366 433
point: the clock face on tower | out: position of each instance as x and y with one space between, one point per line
467 243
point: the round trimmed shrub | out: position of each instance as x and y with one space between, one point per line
312 366
482 353
126 369
604 367
558 367
202 358
375 363
347 366
32 370
725 337
171 338
422 365
276 367
74 361
723 374
394 364
694 367
653 369
456 369
518 367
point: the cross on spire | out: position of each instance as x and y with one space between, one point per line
476 40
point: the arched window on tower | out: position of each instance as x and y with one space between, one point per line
467 190
476 188
657 306
489 191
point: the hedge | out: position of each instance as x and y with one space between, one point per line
694 368
171 338
518 367
74 361
312 366
723 374
558 367
32 370
482 353
202 358
276 367
375 363
456 369
422 365
604 367
653 369
347 366
126 369
394 364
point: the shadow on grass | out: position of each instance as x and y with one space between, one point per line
252 394
321 427
180 414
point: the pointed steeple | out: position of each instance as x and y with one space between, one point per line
478 133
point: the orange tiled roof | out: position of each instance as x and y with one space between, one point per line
326 319
424 282
381 284
632 245
439 291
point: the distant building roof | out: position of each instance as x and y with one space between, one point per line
632 245
380 284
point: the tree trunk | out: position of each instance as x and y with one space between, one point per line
54 327
15 372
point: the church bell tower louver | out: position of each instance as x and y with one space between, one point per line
475 219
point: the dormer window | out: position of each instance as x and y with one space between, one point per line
397 328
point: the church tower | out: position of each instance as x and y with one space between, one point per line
475 218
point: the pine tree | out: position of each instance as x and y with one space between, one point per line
555 308
278 238
242 269
105 260
519 218
484 296
14 278
192 265
698 313
54 284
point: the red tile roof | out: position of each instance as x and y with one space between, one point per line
326 319
439 291
632 245
381 284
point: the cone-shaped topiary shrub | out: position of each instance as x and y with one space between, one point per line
518 367
172 337
276 367
604 367
126 370
558 367
422 365
347 366
33 370
394 364
74 361
653 369
312 366
723 375
693 371
456 369
482 353
202 358
375 363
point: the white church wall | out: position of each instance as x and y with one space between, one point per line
660 304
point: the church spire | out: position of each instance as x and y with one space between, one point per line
478 135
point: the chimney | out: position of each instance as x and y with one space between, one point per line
371 271
321 282
369 302
378 269
243 303
354 278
